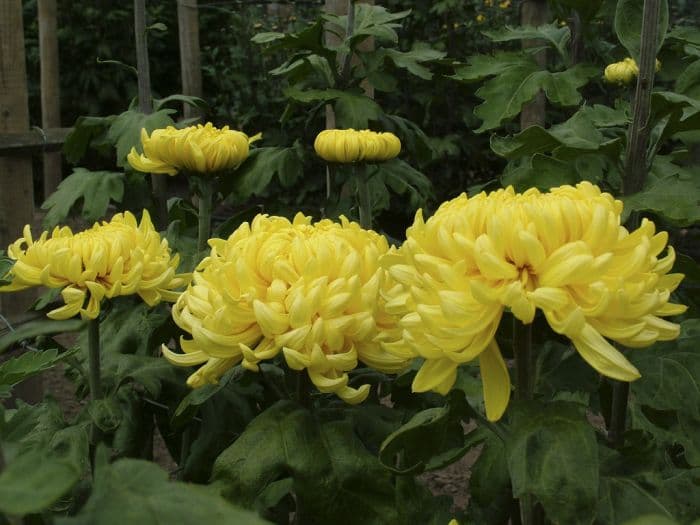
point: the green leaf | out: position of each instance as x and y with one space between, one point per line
404 180
336 480
158 26
651 519
33 329
309 39
412 60
125 131
138 492
195 102
105 413
370 21
431 439
85 130
6 265
33 481
96 189
586 8
352 110
518 80
578 133
676 198
28 364
489 484
256 174
622 499
541 172
628 25
553 455
557 36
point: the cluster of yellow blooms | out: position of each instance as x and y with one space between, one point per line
625 71
329 294
310 291
199 149
349 146
119 257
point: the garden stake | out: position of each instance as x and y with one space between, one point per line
636 170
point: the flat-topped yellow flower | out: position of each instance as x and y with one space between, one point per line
198 149
310 291
348 145
119 257
563 252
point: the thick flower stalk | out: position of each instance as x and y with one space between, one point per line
347 146
119 257
563 252
310 291
198 149
624 72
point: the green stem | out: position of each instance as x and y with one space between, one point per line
206 192
524 390
94 359
524 360
618 413
363 197
304 389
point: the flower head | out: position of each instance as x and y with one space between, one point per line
624 72
310 291
480 18
563 252
119 257
199 149
349 145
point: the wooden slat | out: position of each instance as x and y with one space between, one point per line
36 140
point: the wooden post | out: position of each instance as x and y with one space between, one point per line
158 182
534 13
190 60
16 188
50 88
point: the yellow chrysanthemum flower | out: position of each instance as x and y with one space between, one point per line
480 18
311 291
199 149
625 71
119 257
349 145
563 252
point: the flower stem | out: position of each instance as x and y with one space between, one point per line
206 192
94 359
364 198
524 390
524 360
618 413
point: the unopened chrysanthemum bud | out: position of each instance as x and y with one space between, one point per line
348 145
625 71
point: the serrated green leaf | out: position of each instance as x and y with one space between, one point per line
622 499
33 329
404 180
480 67
540 171
553 455
370 21
84 131
125 130
557 36
628 25
505 95
413 60
138 492
28 364
431 439
195 102
96 189
676 198
33 481
256 174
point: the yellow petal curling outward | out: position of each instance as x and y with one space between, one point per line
199 149
564 253
349 145
314 292
119 257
